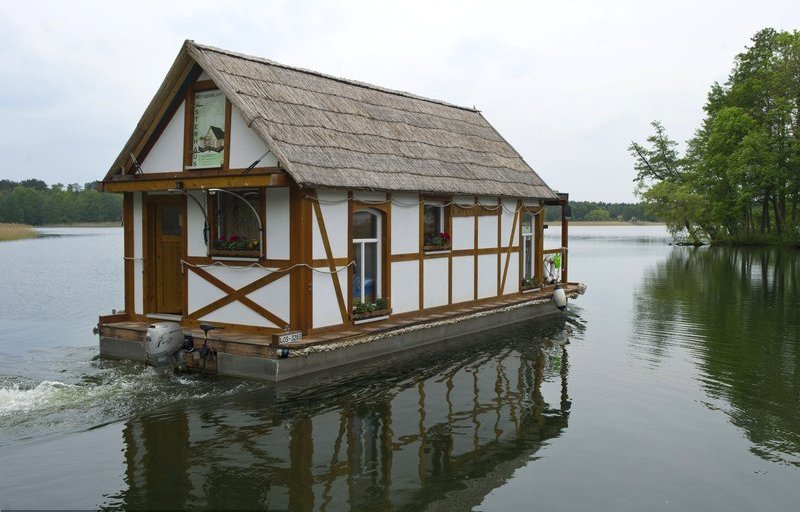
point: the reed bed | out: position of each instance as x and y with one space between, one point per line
10 232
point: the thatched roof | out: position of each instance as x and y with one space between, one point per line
331 132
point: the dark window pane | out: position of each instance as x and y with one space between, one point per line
171 220
433 220
365 225
357 272
370 271
527 242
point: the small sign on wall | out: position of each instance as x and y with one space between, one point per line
286 337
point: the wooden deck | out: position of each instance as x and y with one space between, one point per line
241 343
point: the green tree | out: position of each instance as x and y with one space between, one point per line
739 180
598 214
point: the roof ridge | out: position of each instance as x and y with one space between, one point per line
348 81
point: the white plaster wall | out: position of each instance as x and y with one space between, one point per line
487 275
237 313
487 231
195 225
275 298
463 233
509 211
277 223
334 212
532 203
463 278
203 76
201 292
326 306
166 155
512 278
405 224
369 196
487 201
435 282
245 145
405 286
138 252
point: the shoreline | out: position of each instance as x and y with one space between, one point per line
610 223
10 232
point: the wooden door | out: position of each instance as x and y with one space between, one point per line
166 224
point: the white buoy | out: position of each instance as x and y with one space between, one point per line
560 298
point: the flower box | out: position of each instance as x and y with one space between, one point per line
370 316
234 254
431 248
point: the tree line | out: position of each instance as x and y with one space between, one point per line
739 179
33 202
600 211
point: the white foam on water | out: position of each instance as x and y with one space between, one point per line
18 399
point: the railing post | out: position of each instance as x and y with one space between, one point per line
565 216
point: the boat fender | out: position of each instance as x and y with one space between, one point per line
560 298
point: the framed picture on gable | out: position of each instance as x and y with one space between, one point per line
208 129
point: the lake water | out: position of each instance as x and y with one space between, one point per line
673 384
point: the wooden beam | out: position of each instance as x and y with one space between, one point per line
517 214
127 223
329 253
475 260
538 263
195 182
301 307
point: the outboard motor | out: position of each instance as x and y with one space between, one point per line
162 341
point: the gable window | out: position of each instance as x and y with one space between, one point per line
207 118
366 286
435 234
236 222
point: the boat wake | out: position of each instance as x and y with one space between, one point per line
112 391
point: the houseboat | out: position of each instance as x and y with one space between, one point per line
280 221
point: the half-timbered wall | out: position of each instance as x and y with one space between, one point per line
273 297
331 234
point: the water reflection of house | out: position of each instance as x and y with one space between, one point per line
214 140
454 433
371 210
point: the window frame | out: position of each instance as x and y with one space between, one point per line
445 226
212 204
377 240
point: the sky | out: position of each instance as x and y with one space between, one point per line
569 84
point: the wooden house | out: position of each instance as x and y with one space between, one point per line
329 209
